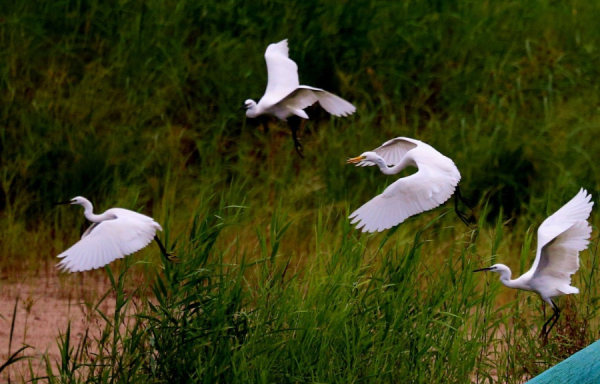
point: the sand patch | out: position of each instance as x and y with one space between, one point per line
45 307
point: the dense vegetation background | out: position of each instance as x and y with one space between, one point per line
135 104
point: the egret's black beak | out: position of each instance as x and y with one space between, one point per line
243 107
64 202
483 269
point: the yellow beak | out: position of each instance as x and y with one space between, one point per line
356 159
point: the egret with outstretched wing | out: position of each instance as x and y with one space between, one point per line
113 235
560 239
429 187
285 96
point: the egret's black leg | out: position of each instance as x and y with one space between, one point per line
544 308
265 124
168 255
544 333
460 214
463 217
554 317
294 123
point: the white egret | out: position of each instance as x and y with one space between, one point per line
560 239
429 187
285 96
114 234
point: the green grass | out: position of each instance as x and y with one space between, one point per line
134 104
393 314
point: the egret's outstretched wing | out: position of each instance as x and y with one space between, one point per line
419 192
577 209
335 104
306 96
282 72
393 151
108 241
560 259
300 99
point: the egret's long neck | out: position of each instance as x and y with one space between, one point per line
405 162
505 279
88 212
253 111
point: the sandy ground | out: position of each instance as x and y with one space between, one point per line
45 306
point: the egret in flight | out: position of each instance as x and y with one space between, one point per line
433 184
285 96
113 235
560 239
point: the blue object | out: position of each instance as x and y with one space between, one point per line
581 368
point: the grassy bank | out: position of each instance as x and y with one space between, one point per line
369 309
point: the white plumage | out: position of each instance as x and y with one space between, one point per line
560 239
285 96
430 187
115 234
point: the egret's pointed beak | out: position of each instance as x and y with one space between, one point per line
354 160
482 269
243 107
64 202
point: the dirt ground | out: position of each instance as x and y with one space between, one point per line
45 306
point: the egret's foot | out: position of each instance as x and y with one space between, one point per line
298 147
467 220
172 257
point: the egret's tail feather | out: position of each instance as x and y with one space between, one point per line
567 290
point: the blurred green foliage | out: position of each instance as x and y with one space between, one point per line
99 96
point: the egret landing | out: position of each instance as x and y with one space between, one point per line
113 235
560 239
285 96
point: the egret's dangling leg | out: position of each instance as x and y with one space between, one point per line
171 256
463 217
554 316
295 123
265 125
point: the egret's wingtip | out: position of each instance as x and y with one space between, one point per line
62 267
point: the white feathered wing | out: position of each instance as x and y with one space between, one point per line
306 96
283 87
406 197
577 209
560 259
109 240
282 74
560 239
